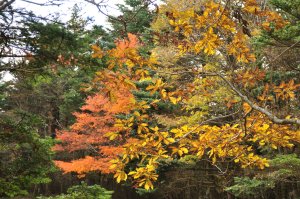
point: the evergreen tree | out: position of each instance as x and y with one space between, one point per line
135 18
26 158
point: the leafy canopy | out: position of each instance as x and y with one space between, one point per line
214 88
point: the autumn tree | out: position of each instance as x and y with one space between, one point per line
279 48
225 105
218 43
96 125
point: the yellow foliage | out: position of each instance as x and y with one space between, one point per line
207 40
286 91
209 43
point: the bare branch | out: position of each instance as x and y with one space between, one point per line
13 56
99 6
284 51
42 4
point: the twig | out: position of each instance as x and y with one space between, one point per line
284 51
42 4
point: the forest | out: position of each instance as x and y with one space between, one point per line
174 99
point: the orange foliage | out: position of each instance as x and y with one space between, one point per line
97 129
81 166
123 45
95 120
118 55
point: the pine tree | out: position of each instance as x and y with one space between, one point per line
135 18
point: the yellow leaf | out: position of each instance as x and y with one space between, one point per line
113 166
158 84
155 101
132 173
184 150
180 153
173 100
141 183
136 113
273 146
262 143
214 159
163 93
247 108
184 128
171 140
150 167
155 129
118 179
129 63
147 186
290 145
267 164
111 135
130 83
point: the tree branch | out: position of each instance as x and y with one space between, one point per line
42 4
290 47
269 114
98 5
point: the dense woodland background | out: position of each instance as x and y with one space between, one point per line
186 99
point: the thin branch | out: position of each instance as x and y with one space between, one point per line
187 72
13 56
118 19
42 4
29 15
270 115
285 51
100 10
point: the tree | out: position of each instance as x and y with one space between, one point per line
56 89
101 117
15 43
92 126
26 158
226 107
62 55
284 172
135 18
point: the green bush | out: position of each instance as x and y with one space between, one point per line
83 191
246 187
283 168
